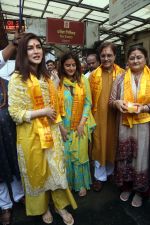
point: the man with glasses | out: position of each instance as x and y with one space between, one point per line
104 136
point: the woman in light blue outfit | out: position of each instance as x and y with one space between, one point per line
77 124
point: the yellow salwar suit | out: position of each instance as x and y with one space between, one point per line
104 136
42 169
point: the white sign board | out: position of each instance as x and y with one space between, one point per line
36 26
119 9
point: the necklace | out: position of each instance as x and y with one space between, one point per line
4 94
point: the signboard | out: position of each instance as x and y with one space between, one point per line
13 25
119 9
59 31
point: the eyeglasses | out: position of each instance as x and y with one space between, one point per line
139 57
108 56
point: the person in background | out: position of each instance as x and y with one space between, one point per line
131 98
10 49
57 63
83 67
93 62
34 107
10 182
104 136
50 64
75 104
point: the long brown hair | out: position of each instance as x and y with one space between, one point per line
61 71
23 65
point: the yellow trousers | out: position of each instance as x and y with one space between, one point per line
38 205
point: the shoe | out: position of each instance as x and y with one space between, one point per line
97 185
47 217
21 201
82 192
66 216
137 201
124 196
5 216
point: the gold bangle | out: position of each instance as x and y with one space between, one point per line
144 108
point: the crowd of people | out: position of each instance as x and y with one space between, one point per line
65 131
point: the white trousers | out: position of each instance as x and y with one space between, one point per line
102 172
17 191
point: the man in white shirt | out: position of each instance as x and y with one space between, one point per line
92 63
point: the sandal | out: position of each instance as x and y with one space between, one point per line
137 201
5 216
47 217
124 196
82 192
66 216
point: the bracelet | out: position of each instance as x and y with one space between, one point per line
148 107
145 108
15 42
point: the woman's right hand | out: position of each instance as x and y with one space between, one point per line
50 113
121 105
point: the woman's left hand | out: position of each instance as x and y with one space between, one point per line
140 108
80 130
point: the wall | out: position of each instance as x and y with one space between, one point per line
139 38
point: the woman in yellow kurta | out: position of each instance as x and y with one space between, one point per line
33 106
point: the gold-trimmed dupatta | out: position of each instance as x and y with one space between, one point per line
143 97
78 101
96 83
42 124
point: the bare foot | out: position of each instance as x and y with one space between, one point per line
137 200
124 196
47 217
82 192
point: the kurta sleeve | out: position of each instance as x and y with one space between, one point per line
18 100
116 90
88 99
